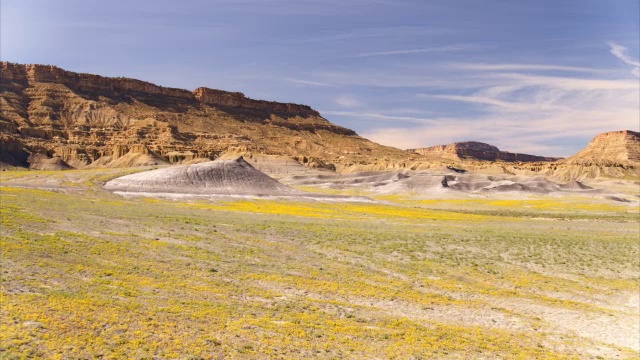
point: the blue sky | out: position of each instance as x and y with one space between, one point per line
540 77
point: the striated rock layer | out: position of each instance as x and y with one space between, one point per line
613 154
84 119
611 148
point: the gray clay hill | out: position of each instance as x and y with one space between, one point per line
221 177
432 182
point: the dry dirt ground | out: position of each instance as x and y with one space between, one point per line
90 274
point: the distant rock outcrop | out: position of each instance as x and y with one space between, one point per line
478 151
613 154
616 148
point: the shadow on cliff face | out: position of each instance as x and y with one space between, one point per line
113 97
13 153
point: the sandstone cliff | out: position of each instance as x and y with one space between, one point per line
612 154
610 148
85 119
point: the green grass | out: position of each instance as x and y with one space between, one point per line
88 274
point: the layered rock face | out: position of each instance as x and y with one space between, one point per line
610 149
478 151
613 154
237 99
86 119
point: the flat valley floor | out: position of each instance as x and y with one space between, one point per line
90 274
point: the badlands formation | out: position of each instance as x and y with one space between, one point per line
437 182
52 119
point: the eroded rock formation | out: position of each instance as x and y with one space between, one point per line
85 119
612 154
610 148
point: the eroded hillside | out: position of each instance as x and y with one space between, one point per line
88 119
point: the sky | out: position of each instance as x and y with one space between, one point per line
540 77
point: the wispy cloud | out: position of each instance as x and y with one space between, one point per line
388 79
376 32
522 112
570 83
348 102
540 134
376 116
483 100
441 49
620 52
306 82
524 67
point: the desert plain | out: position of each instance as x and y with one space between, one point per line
348 272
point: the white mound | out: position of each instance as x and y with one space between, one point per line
222 177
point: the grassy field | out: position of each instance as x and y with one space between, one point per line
88 274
